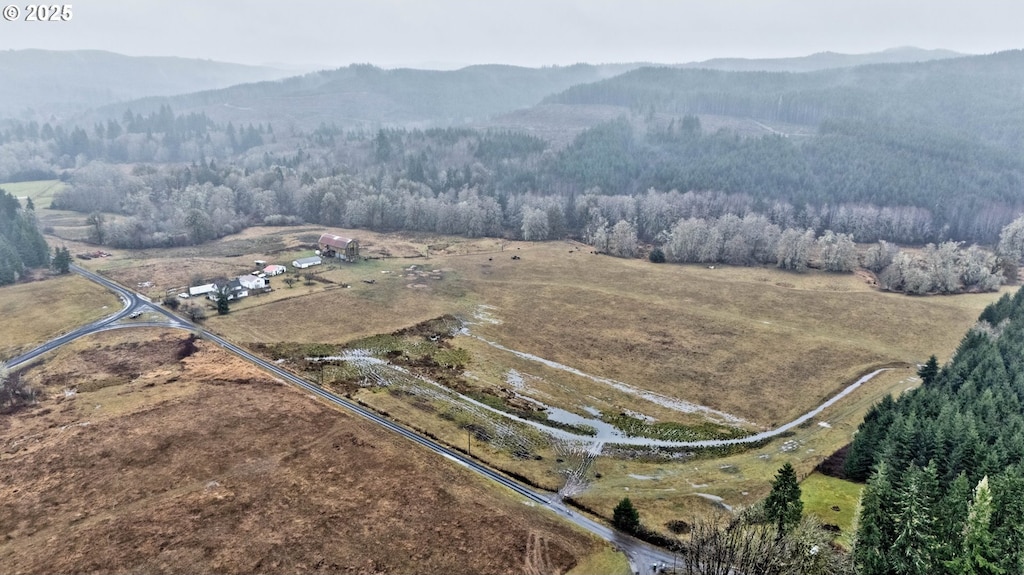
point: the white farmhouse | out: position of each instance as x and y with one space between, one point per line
252 282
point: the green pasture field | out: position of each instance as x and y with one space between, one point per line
41 310
41 191
821 496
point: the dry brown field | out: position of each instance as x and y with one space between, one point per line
758 344
207 465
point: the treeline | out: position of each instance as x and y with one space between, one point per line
939 185
21 244
945 268
945 489
160 136
470 182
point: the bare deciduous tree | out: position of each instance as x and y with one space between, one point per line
623 242
535 224
838 253
794 249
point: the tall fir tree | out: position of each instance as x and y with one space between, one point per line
783 506
951 517
978 555
914 549
1008 519
626 517
874 538
929 371
61 262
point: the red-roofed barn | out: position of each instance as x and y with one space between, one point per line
336 246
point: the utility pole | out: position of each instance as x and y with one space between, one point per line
469 442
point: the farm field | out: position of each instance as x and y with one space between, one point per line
205 464
600 338
38 311
40 191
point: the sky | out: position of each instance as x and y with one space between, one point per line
444 34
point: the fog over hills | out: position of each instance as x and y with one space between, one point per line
823 60
936 142
364 96
40 84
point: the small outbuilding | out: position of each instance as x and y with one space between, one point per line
304 263
274 270
332 246
197 291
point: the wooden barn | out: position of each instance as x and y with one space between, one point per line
346 249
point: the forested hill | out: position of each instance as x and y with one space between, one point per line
21 244
42 84
925 451
976 97
821 61
364 96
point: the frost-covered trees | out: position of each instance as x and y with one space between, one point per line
979 550
747 241
623 242
941 265
535 224
794 249
838 253
1011 240
880 256
943 268
686 239
978 270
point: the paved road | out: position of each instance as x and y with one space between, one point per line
128 298
641 555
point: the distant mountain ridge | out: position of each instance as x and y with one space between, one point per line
823 60
973 96
365 96
87 86
39 84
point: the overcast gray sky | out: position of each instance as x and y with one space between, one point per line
450 33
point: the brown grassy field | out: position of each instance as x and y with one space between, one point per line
37 311
757 343
206 465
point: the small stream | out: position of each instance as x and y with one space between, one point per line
605 432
